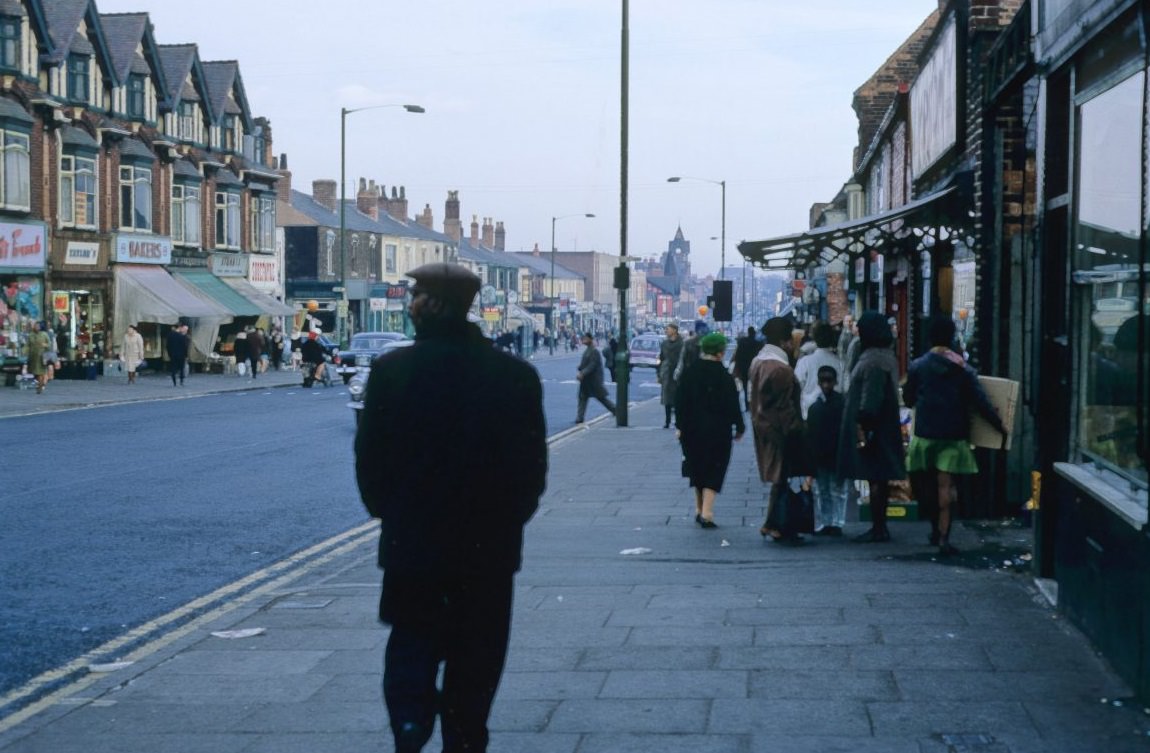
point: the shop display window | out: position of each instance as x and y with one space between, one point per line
79 325
1110 302
21 304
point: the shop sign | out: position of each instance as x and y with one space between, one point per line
61 302
82 253
228 265
378 304
22 245
492 313
264 272
934 103
143 249
397 291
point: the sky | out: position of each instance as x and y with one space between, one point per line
523 106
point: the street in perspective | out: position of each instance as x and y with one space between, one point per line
604 377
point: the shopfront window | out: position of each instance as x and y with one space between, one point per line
1109 273
21 304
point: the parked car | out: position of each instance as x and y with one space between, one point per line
363 348
645 351
357 387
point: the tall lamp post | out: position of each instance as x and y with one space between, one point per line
722 184
341 314
551 290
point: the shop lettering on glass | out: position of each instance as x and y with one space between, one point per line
263 271
21 246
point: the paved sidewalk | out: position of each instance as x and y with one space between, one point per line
69 394
710 642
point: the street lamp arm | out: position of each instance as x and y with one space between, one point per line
344 111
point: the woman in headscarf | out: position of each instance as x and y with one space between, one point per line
708 417
39 348
870 442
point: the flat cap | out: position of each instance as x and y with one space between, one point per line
451 282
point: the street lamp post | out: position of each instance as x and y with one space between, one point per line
722 184
551 290
341 313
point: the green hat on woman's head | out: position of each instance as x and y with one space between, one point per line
713 344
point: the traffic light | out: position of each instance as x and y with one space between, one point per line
722 294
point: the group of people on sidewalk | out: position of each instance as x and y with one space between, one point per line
825 409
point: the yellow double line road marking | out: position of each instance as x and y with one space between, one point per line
260 583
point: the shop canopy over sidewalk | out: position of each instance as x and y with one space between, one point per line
935 215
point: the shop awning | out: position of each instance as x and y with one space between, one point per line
264 302
518 312
146 293
207 283
930 215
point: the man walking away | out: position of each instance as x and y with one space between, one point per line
255 350
177 343
590 376
451 517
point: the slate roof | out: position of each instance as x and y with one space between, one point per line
542 265
177 61
313 210
220 78
123 32
483 255
62 19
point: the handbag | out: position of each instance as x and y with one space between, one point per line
798 508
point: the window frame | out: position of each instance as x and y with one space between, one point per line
13 42
136 102
227 214
21 144
70 176
136 187
74 76
190 194
262 224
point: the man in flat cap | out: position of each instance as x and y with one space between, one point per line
590 376
451 456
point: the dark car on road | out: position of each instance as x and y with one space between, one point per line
363 348
357 387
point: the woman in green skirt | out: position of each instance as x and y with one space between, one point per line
944 391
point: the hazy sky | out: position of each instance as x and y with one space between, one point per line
523 104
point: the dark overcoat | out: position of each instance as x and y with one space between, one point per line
670 351
872 404
451 456
707 416
591 372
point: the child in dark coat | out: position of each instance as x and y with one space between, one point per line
824 422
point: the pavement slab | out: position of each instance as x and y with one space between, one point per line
708 642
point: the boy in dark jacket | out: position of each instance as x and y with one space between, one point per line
824 422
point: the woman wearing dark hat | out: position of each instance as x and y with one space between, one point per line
870 442
707 410
945 391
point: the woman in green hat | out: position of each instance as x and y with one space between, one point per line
708 416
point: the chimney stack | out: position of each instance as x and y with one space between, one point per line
283 187
500 237
366 199
452 226
323 191
425 217
488 233
399 204
475 230
535 251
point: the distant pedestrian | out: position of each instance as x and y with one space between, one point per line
255 350
945 392
132 352
708 417
277 349
451 518
870 440
824 425
40 350
590 376
178 346
746 348
240 351
776 418
609 351
808 367
670 351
